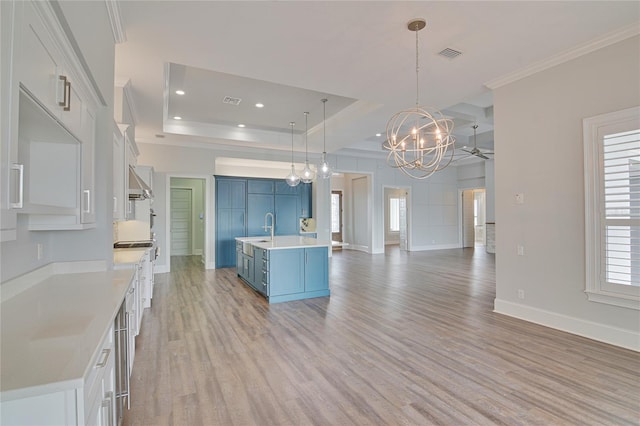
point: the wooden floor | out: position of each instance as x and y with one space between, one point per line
404 339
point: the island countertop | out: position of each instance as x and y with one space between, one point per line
284 242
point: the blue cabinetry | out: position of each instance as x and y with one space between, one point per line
258 205
288 274
241 205
230 219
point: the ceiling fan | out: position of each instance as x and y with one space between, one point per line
475 151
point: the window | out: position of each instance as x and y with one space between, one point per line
394 214
612 207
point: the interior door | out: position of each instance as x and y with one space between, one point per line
180 221
336 216
468 231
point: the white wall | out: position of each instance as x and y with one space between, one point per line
88 22
544 113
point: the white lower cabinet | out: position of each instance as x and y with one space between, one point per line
92 404
99 386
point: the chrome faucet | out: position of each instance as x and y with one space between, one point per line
273 223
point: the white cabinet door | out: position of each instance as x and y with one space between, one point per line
58 408
12 172
88 204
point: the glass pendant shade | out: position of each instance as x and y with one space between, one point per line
307 173
324 171
292 178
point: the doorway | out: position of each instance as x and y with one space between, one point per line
336 219
473 217
396 231
181 239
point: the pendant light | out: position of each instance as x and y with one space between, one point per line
324 171
292 179
307 173
419 141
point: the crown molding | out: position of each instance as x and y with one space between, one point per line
117 25
562 57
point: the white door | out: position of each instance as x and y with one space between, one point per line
402 216
468 231
180 222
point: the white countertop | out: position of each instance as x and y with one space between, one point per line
127 258
284 242
51 331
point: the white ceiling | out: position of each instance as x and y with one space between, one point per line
360 55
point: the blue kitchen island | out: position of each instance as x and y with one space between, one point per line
284 268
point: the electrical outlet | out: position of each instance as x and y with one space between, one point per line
521 294
40 250
520 250
520 198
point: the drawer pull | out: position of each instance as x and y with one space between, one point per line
105 357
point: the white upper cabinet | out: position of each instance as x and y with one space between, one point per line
48 124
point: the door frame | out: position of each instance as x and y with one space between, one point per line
461 214
407 190
209 254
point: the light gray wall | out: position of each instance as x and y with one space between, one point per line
91 29
544 113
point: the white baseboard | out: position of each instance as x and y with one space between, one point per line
161 269
434 247
356 247
603 333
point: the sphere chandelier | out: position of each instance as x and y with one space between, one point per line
419 141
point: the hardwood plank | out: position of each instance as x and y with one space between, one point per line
405 338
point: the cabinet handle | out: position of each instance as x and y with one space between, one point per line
87 199
105 358
107 403
20 169
66 101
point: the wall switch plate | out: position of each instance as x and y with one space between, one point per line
520 198
40 250
521 294
520 250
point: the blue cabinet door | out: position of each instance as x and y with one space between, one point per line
258 205
286 272
305 200
316 262
230 223
230 193
283 188
287 216
260 186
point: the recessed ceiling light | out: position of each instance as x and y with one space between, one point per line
177 117
179 92
259 105
378 134
241 125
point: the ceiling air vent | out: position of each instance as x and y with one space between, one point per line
449 53
231 100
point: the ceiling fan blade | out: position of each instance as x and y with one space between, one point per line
466 150
481 155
